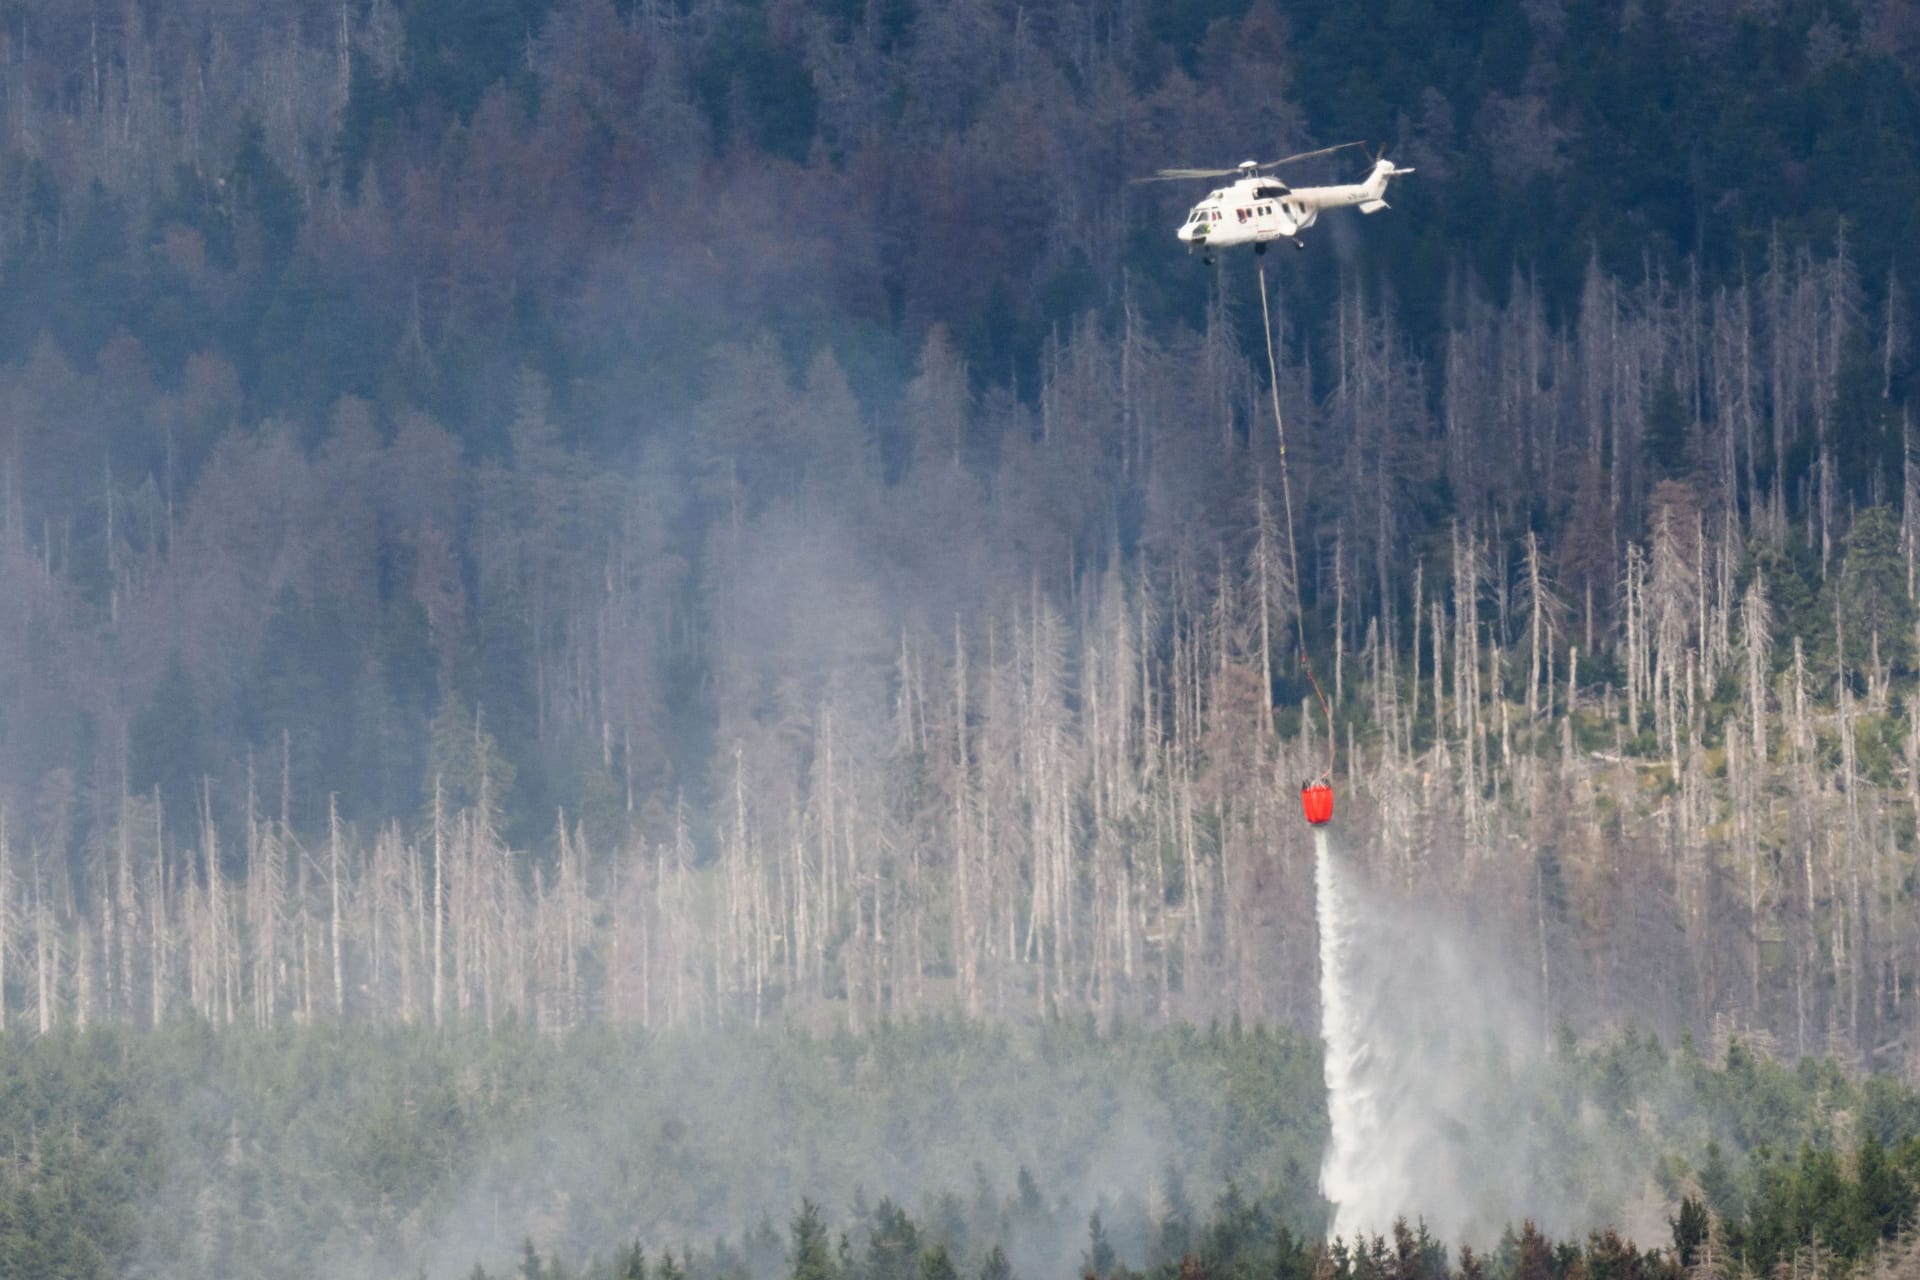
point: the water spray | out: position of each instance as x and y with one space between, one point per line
1352 1118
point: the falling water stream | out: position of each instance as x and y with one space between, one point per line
1348 1115
1362 1174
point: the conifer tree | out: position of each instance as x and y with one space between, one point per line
808 1254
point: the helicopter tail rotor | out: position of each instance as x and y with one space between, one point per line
1392 170
1375 186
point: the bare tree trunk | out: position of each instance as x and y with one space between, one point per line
306 938
965 928
678 944
6 911
1413 667
1439 622
1634 629
416 928
1757 642
439 901
208 966
46 954
157 939
333 915
1339 615
124 904
1850 963
82 975
1802 737
1533 626
1265 572
1780 402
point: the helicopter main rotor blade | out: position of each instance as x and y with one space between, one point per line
1184 175
1308 155
1188 175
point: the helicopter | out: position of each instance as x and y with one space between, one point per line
1257 207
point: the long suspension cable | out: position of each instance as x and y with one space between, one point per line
1286 498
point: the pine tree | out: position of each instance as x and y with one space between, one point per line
1100 1258
1871 593
808 1254
935 1264
1689 1230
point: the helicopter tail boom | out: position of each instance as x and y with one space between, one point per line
1370 195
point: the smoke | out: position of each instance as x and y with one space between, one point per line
716 1134
413 1152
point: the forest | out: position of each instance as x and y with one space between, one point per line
366 1149
557 519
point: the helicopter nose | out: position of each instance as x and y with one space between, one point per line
1185 233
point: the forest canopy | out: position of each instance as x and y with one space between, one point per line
343 1150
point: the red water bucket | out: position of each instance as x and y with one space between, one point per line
1317 802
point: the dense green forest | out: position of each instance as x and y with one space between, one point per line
347 1150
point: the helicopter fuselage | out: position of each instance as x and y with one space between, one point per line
1247 212
1256 209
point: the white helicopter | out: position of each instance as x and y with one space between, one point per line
1257 207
